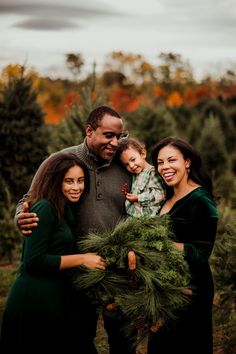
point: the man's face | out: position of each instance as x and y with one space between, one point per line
103 141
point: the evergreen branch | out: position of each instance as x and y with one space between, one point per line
153 291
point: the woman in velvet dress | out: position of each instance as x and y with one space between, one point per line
194 218
36 316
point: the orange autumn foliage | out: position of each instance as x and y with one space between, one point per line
202 92
190 97
194 95
174 99
71 98
52 116
134 104
229 91
123 101
158 91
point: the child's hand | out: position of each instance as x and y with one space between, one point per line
132 197
124 188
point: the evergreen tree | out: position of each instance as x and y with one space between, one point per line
23 145
150 126
183 115
225 187
217 109
211 144
223 263
194 128
71 131
10 240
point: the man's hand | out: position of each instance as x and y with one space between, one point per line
26 221
132 260
156 326
187 292
112 307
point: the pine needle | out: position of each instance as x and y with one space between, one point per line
153 290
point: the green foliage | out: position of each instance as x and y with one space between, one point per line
7 275
212 147
223 263
231 112
150 126
217 109
225 188
193 129
183 115
23 145
10 239
233 162
154 289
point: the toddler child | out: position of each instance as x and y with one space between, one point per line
147 192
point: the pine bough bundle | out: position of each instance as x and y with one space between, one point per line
154 290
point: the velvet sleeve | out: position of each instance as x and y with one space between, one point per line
36 255
203 226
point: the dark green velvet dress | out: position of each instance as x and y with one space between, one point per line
194 220
35 317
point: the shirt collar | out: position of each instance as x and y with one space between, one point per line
91 157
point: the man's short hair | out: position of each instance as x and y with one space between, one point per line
98 113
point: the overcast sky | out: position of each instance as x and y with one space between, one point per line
40 32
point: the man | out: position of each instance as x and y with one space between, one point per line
101 209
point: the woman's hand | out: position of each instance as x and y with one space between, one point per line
179 245
93 261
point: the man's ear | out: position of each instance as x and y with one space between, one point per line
89 130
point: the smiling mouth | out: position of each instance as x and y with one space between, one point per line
110 151
168 176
